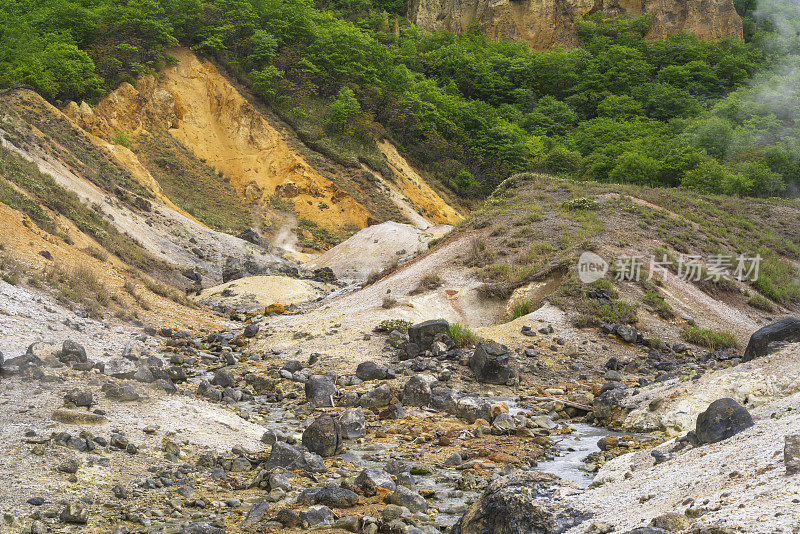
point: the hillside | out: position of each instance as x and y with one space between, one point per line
292 266
507 274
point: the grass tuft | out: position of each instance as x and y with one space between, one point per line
706 337
461 335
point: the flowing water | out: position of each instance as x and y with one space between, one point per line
571 450
566 460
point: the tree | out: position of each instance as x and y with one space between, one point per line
265 81
550 117
343 109
710 176
635 168
620 107
563 161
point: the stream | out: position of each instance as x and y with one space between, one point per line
566 460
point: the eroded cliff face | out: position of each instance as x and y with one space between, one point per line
548 23
196 105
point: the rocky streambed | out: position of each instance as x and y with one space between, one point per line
198 434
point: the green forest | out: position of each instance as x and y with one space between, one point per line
717 117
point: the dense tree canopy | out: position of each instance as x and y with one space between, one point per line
678 112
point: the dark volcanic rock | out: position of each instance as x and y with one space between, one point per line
336 497
320 390
791 453
316 516
524 501
79 397
323 436
353 424
75 512
282 455
423 334
369 480
223 378
402 496
201 528
285 456
627 333
491 363
417 391
785 330
376 398
250 330
72 352
371 371
723 419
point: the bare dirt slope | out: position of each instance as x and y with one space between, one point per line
739 483
195 104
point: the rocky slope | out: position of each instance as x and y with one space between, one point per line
548 24
159 375
193 103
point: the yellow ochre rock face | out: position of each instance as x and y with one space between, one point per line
202 110
548 23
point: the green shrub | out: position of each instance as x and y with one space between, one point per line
713 339
461 335
658 303
121 138
428 282
389 325
521 308
760 302
581 203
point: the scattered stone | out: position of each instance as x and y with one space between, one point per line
491 363
79 398
336 497
791 454
671 522
524 501
75 417
784 331
350 523
120 491
72 352
370 370
323 436
119 367
353 424
69 466
723 419
403 496
75 512
255 513
316 516
627 333
376 398
417 391
250 330
369 480
423 334
320 390
201 528
223 378
471 409
122 393
282 455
